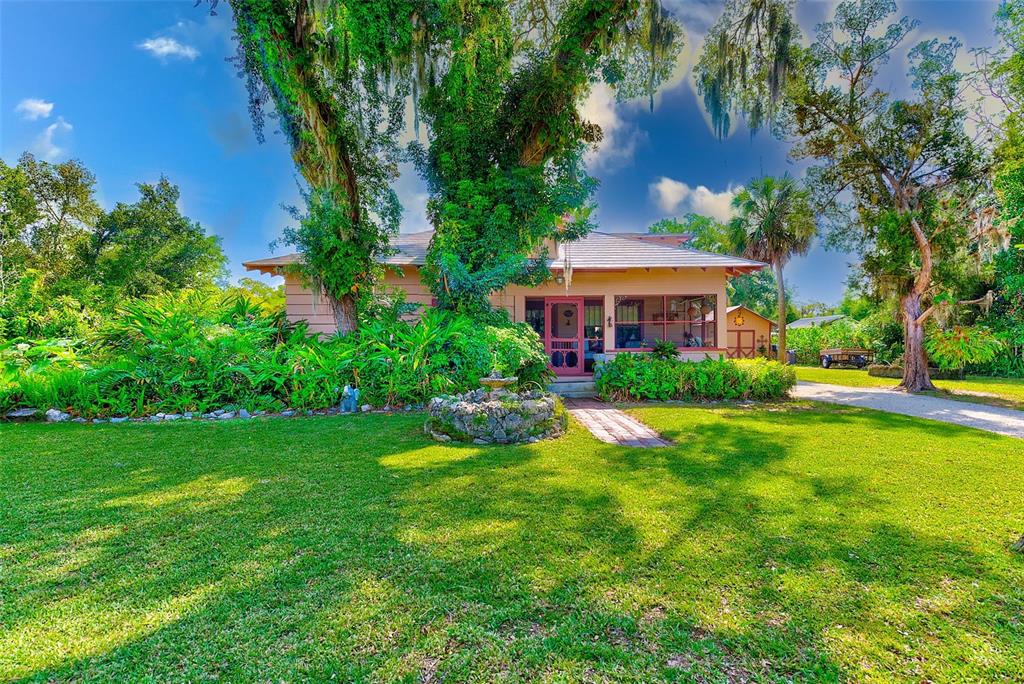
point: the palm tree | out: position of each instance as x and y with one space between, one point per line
773 222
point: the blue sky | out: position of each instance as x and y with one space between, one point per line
136 89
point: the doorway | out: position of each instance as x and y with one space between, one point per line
563 340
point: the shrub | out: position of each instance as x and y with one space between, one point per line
201 350
664 349
632 376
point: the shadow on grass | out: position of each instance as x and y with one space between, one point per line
354 548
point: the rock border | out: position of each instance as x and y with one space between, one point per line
52 415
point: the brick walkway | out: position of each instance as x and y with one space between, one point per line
612 425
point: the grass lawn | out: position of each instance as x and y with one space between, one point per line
773 544
1003 391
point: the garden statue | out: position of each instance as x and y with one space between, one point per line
349 399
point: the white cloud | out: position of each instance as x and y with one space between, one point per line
619 137
164 48
45 146
674 197
32 108
412 193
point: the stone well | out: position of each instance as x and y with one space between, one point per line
499 416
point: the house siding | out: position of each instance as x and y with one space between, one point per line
303 305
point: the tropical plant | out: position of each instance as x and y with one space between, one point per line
200 350
961 346
635 376
664 349
907 165
774 221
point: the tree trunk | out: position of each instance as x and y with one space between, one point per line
1018 545
782 312
915 361
346 317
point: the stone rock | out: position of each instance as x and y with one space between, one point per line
79 420
219 412
119 419
226 416
244 414
187 415
365 407
172 416
501 416
288 413
161 415
55 416
97 421
22 413
440 437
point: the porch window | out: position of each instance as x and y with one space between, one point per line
687 320
535 314
593 330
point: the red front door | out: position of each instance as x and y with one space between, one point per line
563 338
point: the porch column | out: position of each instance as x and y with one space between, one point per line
609 330
721 324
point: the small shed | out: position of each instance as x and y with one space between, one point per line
748 333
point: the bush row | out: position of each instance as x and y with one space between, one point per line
199 351
631 377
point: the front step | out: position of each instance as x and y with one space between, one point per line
573 389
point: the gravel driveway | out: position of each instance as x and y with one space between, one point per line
1003 421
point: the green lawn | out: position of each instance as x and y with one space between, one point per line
1010 391
774 544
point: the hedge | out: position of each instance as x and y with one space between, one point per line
635 376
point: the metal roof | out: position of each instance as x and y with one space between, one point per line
596 251
611 251
813 321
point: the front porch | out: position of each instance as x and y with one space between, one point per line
580 331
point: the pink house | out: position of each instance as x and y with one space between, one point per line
610 293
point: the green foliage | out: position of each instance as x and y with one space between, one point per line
634 376
149 247
664 349
707 234
201 350
878 332
897 177
504 163
336 75
774 221
65 264
748 56
962 346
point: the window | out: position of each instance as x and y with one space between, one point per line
593 331
687 320
535 314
